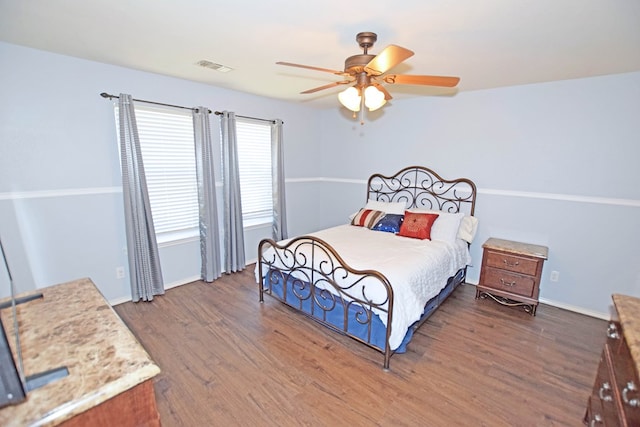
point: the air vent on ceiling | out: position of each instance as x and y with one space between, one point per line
214 66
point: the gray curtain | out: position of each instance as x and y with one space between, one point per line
209 236
234 258
142 248
279 227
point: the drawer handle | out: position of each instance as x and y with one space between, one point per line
505 283
597 419
631 386
612 331
511 264
605 387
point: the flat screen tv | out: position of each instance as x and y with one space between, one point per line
14 385
11 385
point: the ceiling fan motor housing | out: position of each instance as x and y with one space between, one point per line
355 64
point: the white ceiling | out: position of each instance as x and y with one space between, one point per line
488 43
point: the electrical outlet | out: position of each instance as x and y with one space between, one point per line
119 272
555 276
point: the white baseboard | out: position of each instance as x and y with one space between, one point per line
575 309
117 301
182 282
569 307
580 310
121 300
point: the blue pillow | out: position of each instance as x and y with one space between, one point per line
390 223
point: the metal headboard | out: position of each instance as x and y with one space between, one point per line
420 187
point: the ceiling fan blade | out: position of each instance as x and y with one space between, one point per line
308 67
330 85
387 95
390 56
404 79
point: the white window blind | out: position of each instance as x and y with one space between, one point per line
167 144
254 163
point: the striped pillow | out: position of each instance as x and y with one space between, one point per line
367 218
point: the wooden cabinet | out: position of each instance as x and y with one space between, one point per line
615 398
511 272
110 381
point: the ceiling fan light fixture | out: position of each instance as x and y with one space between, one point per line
350 98
373 98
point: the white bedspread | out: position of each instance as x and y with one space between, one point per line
417 269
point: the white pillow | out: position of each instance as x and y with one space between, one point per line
386 207
468 228
446 226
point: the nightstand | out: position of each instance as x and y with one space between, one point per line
511 272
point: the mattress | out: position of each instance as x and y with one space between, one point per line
417 269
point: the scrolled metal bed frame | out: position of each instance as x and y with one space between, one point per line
307 273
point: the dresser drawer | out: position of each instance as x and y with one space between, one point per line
597 416
615 398
508 282
625 379
604 394
512 263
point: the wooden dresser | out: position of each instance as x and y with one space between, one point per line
110 375
511 273
615 398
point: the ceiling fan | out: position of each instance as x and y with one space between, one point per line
368 73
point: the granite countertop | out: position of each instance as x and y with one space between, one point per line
73 326
628 309
520 248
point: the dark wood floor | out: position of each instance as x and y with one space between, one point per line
228 360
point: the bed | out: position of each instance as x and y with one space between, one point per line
378 277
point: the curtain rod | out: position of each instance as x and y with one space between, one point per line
106 95
218 113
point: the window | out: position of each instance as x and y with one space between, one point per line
253 139
167 144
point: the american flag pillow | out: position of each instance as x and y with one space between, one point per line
367 218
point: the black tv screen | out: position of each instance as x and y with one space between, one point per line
11 386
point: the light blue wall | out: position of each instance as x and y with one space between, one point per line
60 188
555 164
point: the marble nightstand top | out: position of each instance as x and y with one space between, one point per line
519 248
628 309
73 326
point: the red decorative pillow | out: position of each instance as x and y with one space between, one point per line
367 218
417 225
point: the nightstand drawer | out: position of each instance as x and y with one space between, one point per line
505 281
512 263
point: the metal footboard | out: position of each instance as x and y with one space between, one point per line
308 275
